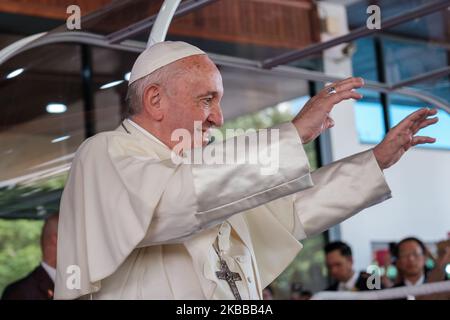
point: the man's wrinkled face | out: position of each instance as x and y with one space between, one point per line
411 259
340 267
196 97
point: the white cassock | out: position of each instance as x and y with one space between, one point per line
137 226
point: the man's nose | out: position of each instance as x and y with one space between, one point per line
216 116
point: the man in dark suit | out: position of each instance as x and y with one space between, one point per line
339 263
410 257
39 284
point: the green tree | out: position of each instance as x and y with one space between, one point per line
20 250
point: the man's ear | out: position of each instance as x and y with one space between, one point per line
151 101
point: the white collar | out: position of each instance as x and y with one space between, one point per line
50 270
349 285
419 282
145 132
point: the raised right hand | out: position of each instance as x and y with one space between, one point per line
314 118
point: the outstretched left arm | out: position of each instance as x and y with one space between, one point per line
350 185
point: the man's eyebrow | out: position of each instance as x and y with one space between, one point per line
208 93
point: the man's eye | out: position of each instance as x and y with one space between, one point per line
207 101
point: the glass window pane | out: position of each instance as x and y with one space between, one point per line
369 118
109 85
42 125
408 59
364 62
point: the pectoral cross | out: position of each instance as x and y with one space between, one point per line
230 277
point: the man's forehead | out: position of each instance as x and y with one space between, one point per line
410 244
197 62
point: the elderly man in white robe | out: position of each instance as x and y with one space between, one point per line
135 224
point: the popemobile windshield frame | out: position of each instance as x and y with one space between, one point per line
159 25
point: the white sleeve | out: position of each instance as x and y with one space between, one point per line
188 198
341 189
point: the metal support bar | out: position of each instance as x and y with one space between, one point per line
435 74
414 40
321 77
140 26
28 208
381 73
161 26
135 46
355 34
88 98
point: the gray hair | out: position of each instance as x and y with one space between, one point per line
163 77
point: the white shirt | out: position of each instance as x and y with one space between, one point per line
350 284
50 270
410 284
418 282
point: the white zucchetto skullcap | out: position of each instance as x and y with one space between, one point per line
160 55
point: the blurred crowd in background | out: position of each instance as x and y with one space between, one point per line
408 262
